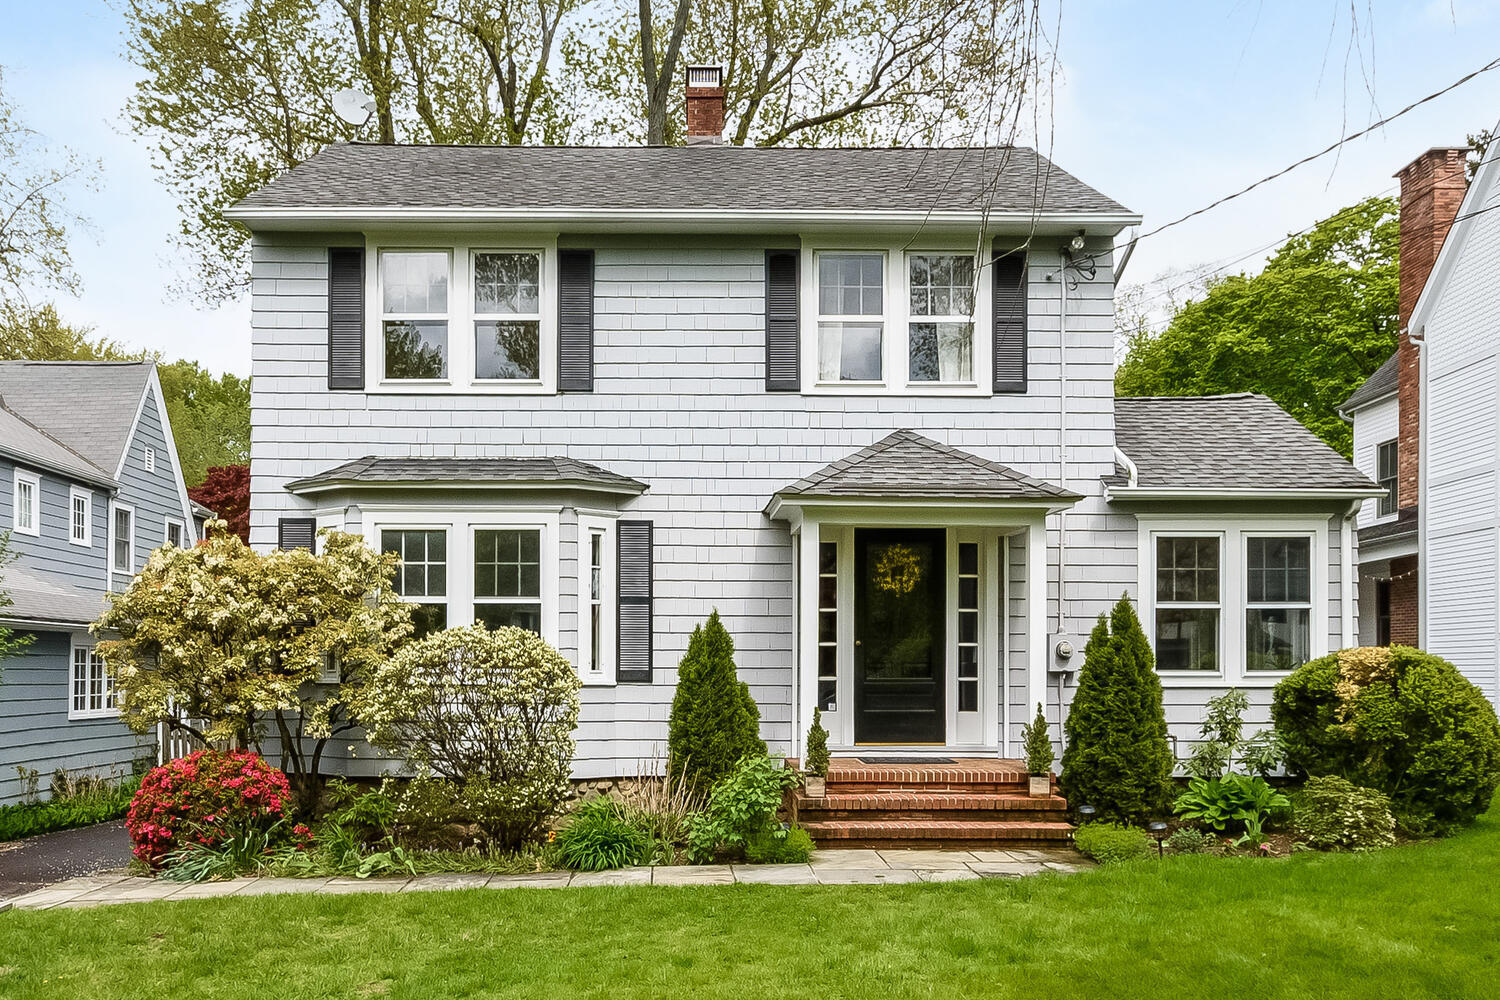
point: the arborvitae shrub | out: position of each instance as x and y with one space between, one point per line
816 763
1037 743
714 720
1117 757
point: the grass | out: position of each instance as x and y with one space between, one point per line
1412 921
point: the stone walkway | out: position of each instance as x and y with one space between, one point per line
846 867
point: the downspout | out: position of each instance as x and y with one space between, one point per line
1348 586
1062 439
1132 474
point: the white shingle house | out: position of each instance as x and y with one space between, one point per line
858 400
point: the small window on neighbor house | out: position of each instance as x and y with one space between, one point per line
851 316
414 313
423 576
93 689
940 337
1385 477
507 316
174 534
122 542
508 577
1187 603
150 459
1278 603
80 517
26 499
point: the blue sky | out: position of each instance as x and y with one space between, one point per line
1163 106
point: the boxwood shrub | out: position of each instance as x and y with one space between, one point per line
1398 720
1108 843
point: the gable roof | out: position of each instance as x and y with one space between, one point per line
595 181
544 473
29 445
906 465
89 406
1381 383
1482 196
1235 444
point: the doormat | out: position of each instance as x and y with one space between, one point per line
907 760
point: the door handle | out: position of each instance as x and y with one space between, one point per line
858 643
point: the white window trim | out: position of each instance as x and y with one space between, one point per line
76 494
80 642
461 523
460 316
114 567
895 350
1232 588
378 544
1311 604
35 482
588 525
166 531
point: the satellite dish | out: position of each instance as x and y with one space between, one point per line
353 106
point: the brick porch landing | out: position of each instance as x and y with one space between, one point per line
973 803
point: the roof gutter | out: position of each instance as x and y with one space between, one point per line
1051 505
305 217
1199 493
101 479
308 487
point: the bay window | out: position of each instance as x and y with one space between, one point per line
1278 602
422 578
894 319
508 578
1187 603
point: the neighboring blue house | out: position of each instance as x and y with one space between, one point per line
89 486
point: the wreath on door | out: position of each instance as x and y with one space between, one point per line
898 570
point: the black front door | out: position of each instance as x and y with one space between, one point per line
899 586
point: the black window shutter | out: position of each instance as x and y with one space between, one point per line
346 318
575 320
1010 321
633 609
783 359
296 533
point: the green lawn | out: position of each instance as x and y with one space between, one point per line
1414 921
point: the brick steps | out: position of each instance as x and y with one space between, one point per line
977 803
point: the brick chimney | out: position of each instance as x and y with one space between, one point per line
705 105
1432 187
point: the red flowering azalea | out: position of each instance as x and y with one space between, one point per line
203 798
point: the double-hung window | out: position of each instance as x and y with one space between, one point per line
851 316
414 314
1278 602
1187 602
940 328
508 577
80 516
122 540
1385 478
92 693
26 503
507 316
423 576
596 599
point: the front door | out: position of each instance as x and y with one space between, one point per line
899 586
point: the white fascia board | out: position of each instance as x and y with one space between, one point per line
603 219
952 512
1195 493
512 485
1347 416
154 386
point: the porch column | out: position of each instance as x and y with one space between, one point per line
805 698
1036 616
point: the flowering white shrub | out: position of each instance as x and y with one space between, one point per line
491 712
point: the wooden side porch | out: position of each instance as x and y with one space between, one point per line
956 802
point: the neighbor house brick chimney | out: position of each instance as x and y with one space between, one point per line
705 105
1432 186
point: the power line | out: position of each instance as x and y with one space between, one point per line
1492 64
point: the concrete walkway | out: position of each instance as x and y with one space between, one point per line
848 867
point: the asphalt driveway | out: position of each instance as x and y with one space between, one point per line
30 864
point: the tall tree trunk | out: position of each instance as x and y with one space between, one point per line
658 79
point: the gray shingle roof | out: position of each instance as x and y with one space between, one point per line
906 465
1382 382
37 599
1242 441
30 446
710 178
1404 524
547 472
89 406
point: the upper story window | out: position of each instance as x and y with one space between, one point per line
122 540
80 516
479 319
173 533
1385 477
894 319
26 503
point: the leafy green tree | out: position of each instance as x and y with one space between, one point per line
232 647
1305 331
210 417
714 720
1117 757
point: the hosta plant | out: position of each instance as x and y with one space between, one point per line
1235 801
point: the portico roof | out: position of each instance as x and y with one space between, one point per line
905 466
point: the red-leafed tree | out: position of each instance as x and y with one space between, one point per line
226 491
